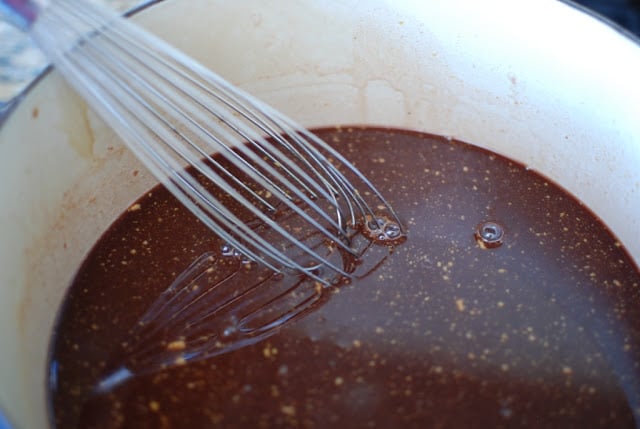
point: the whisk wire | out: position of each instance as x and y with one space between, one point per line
179 182
235 223
237 106
189 117
267 150
151 93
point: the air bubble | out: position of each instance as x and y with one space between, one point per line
392 230
228 331
383 230
489 234
231 329
227 250
375 224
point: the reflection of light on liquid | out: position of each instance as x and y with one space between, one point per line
383 230
489 235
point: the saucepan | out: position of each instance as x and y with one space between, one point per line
538 81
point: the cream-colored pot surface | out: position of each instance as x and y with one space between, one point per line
535 80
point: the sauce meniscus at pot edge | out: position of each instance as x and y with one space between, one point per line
509 305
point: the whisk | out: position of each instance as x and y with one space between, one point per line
182 326
174 113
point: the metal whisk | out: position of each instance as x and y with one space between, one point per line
174 113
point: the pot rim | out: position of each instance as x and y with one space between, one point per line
8 107
626 36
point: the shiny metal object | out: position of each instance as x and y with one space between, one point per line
172 113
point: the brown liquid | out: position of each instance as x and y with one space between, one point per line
534 328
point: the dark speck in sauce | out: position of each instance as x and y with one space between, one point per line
508 305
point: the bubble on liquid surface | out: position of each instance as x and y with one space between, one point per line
382 229
231 328
227 250
230 251
392 230
489 235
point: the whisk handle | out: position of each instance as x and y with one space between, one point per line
21 13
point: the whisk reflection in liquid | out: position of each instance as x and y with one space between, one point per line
223 302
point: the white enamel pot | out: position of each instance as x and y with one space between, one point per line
535 80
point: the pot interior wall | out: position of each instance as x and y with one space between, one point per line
560 103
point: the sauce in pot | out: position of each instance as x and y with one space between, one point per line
508 305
